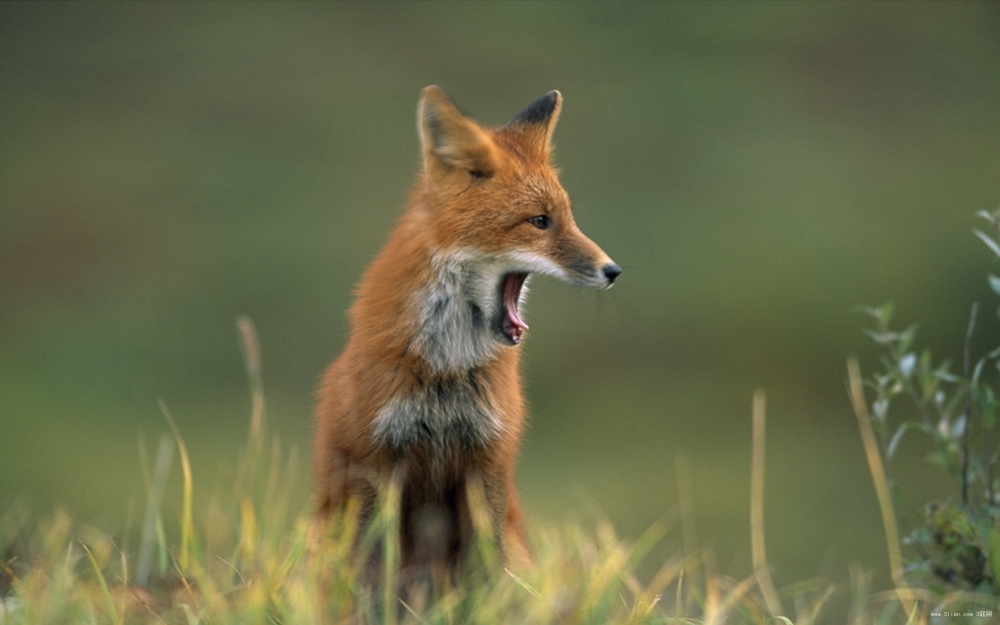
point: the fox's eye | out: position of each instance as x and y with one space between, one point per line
542 222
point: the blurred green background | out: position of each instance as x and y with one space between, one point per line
758 169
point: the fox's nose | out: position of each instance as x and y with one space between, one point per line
611 271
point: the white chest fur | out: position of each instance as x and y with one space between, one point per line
443 414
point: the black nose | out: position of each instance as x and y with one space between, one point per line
611 272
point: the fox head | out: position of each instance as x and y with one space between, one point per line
497 209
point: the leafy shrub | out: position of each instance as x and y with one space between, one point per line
957 543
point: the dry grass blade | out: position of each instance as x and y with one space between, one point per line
717 611
671 570
390 547
881 483
761 571
252 359
523 584
685 499
809 615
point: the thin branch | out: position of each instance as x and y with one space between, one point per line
968 403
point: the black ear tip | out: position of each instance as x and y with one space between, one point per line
539 111
553 98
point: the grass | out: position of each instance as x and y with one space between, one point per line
247 559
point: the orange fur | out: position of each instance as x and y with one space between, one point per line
428 384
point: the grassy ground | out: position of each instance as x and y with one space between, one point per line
247 561
246 558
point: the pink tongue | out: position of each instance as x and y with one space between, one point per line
511 291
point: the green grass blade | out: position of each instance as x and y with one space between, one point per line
187 523
104 587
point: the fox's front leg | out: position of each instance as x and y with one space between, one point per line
499 498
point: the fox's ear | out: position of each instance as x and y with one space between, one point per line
450 140
537 121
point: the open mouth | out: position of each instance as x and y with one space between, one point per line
512 327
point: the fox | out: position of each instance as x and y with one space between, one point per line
428 387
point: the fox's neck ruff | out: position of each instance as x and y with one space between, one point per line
462 309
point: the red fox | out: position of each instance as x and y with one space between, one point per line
428 386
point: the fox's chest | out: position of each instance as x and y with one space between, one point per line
440 417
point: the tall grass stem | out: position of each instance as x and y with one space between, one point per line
761 571
877 470
685 499
187 523
156 483
252 359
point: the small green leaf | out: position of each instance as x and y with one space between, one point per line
989 408
884 313
946 376
958 427
880 409
871 311
990 243
994 283
879 426
875 336
990 217
938 458
890 451
978 370
906 338
906 364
